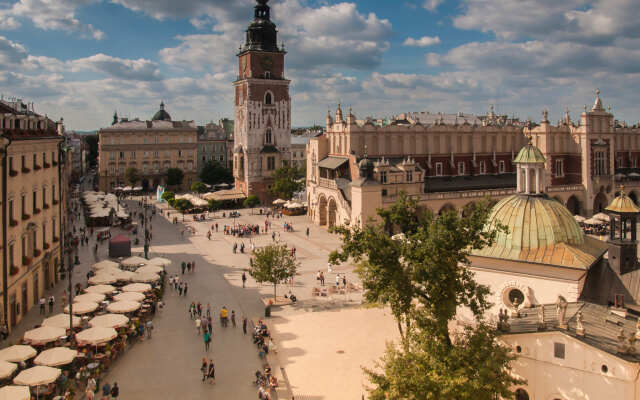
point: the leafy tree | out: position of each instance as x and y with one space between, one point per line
215 205
273 263
251 201
182 205
174 176
168 195
424 278
198 187
213 173
132 175
286 182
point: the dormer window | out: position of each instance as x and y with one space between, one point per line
267 136
267 75
268 99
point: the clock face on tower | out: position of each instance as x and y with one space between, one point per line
266 63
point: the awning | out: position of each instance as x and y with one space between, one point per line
332 162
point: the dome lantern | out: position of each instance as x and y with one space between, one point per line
623 247
530 169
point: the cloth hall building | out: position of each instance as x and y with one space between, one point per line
451 161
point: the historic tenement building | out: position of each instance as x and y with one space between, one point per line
31 210
262 107
215 143
450 161
150 146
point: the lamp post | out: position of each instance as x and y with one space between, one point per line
146 229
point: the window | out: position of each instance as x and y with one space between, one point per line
11 254
44 158
558 350
502 167
599 163
53 157
34 200
144 168
635 162
133 155
10 163
409 176
145 154
190 153
461 168
179 153
53 193
155 154
483 168
268 98
122 155
112 170
44 236
515 297
267 136
438 169
24 205
112 156
271 163
559 168
190 139
267 75
383 177
24 164
619 162
44 197
384 192
155 140
35 161
11 215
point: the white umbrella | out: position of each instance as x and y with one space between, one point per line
56 357
134 261
96 336
102 279
579 218
109 321
105 264
61 321
137 287
593 221
602 217
129 296
82 308
17 353
634 174
159 261
6 369
89 297
294 205
44 334
146 277
149 269
15 393
121 307
36 376
279 201
104 289
108 271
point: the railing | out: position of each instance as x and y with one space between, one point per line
328 183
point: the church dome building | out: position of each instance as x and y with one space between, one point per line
161 115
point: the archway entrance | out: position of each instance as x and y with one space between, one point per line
573 204
599 203
322 210
333 211
445 208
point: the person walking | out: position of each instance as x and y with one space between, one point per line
185 289
106 390
115 391
149 327
198 324
244 279
244 325
184 266
212 372
180 289
189 267
208 311
210 326
204 369
307 232
42 305
52 301
207 340
233 318
193 266
337 280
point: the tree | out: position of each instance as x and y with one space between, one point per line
182 205
214 205
198 187
168 196
213 173
132 175
273 263
174 177
251 201
286 182
424 277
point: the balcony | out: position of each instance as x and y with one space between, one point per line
26 261
14 270
37 168
328 183
13 172
25 170
37 252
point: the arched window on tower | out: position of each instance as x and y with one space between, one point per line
267 136
268 99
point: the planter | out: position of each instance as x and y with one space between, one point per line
13 222
55 202
54 163
25 217
36 211
25 170
45 206
46 246
37 252
26 261
14 270
37 168
47 165
56 239
13 173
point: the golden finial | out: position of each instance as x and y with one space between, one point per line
621 190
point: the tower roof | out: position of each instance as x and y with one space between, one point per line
262 34
161 115
623 204
530 154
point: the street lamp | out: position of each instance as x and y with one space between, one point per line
146 229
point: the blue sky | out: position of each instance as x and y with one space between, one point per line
83 59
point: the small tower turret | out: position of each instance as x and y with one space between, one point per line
530 169
623 245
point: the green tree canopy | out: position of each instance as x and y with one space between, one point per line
214 205
286 182
175 176
182 205
168 195
273 263
213 173
132 175
251 201
198 187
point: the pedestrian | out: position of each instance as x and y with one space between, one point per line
52 301
180 289
92 385
189 267
42 305
244 325
149 328
210 326
244 279
198 324
106 390
207 340
204 369
208 311
193 266
233 318
184 266
307 232
212 372
185 289
337 280
115 390
344 280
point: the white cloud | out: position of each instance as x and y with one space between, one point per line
138 70
432 5
11 53
424 41
202 52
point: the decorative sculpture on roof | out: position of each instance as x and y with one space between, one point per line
579 325
542 325
503 321
561 312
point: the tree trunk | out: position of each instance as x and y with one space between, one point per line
275 284
400 328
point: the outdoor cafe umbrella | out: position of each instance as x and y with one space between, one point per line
150 269
44 334
17 353
105 264
579 218
102 279
109 321
602 217
137 287
96 336
146 277
38 375
129 296
593 221
121 307
159 261
15 393
279 201
134 261
89 297
104 289
82 308
295 205
6 369
61 321
108 271
55 357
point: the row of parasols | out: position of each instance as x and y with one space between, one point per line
287 204
102 328
146 271
597 219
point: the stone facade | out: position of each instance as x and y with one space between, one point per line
215 143
450 161
150 146
32 208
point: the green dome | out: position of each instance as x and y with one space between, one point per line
161 115
540 230
530 154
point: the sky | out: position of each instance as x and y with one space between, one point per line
84 59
